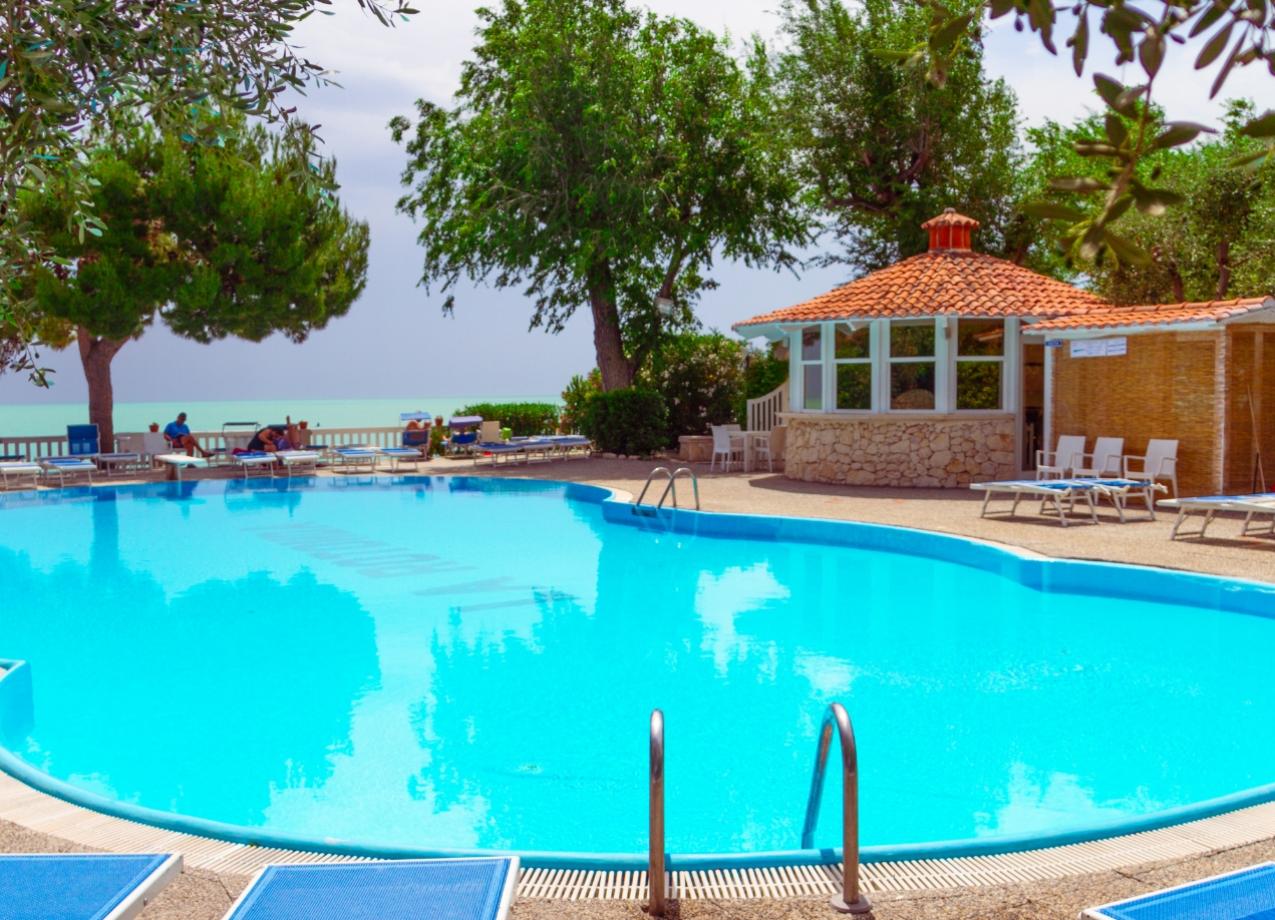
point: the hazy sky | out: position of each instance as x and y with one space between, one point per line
394 341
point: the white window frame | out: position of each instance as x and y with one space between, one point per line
958 359
938 359
830 379
801 362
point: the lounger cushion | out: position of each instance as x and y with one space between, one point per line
79 886
463 889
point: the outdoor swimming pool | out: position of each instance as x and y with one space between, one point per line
458 663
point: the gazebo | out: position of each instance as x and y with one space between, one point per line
948 368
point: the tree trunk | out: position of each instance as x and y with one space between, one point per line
96 355
616 369
1223 268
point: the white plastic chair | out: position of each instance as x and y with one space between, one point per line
1160 462
1070 453
761 450
727 445
1106 460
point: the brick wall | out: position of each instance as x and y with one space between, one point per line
1165 387
1250 371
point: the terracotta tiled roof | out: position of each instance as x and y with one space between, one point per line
950 218
942 282
1157 314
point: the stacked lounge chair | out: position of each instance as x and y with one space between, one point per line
63 467
1060 491
259 461
353 459
16 471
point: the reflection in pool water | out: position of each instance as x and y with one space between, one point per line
441 663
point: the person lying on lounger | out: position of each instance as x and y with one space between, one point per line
177 434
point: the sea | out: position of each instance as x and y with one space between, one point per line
210 415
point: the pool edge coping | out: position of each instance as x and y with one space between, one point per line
15 680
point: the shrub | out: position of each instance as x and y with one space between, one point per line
763 371
628 421
525 418
580 389
701 378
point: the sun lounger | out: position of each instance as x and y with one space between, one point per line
255 460
397 455
1257 505
492 452
62 467
569 445
1056 491
352 459
457 889
17 470
82 886
299 461
114 464
178 463
1248 894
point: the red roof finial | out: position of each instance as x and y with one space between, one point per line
950 230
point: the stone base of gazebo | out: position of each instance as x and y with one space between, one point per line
900 449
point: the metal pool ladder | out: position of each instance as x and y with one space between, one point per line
851 900
671 488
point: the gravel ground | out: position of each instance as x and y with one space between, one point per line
202 895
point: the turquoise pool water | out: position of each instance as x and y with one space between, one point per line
465 663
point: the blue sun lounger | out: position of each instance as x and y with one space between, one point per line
1259 504
397 455
412 889
82 886
62 467
351 459
1245 895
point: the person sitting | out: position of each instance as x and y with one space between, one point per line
177 434
267 439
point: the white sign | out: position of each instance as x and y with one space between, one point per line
1099 348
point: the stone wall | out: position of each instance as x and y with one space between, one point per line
943 451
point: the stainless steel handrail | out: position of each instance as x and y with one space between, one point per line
851 900
655 869
671 487
658 469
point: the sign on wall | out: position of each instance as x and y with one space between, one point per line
1099 348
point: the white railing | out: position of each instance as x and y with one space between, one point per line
763 412
34 447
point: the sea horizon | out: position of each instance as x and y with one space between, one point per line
31 419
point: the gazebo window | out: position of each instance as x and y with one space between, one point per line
912 365
812 368
852 357
980 364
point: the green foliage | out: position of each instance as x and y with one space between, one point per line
213 241
68 67
580 389
1218 242
700 377
763 372
525 418
599 156
879 148
631 420
1227 34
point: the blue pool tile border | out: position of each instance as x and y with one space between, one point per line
1041 573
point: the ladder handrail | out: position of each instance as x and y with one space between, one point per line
649 478
655 868
672 486
851 899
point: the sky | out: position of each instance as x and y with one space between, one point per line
395 341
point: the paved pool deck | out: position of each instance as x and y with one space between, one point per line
205 894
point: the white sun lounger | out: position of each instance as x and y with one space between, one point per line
18 469
404 889
1256 505
299 461
181 462
258 461
397 455
82 886
352 459
62 467
1248 894
1056 491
